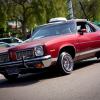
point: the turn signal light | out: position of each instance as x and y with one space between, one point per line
39 65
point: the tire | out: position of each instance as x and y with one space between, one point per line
98 55
66 63
11 77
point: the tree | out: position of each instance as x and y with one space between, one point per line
55 8
91 8
22 12
44 10
3 16
38 11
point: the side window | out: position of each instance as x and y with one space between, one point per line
80 26
85 25
89 28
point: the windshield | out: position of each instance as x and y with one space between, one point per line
52 30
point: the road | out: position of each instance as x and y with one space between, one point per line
82 84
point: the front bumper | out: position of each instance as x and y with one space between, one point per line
44 61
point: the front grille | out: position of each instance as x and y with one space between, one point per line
24 54
4 57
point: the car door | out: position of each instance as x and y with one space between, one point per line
88 42
95 36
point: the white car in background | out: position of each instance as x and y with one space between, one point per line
4 45
12 41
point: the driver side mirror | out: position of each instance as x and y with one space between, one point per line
82 31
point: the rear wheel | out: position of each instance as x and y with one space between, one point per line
66 63
98 55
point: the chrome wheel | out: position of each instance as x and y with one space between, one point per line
66 63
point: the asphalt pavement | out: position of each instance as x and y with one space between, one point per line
82 84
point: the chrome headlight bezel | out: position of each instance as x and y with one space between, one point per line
38 50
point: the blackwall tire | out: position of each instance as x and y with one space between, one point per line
66 63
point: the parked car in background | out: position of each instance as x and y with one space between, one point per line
62 43
4 45
12 41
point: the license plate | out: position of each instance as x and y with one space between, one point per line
11 71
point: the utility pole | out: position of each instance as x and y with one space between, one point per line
70 9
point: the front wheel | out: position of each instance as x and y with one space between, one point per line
66 63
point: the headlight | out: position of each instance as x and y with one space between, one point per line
39 51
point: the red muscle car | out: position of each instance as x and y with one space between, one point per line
63 43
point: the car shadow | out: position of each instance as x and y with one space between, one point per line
85 63
46 74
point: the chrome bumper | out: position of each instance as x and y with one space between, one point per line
45 60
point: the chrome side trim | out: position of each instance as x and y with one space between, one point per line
89 42
87 52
